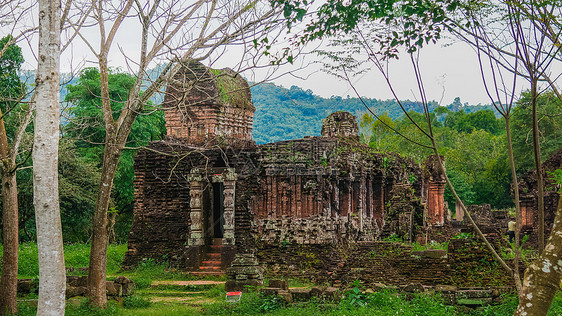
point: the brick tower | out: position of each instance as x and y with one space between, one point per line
205 106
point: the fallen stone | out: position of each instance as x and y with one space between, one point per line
450 299
332 293
269 291
470 294
286 295
300 294
317 291
378 286
446 289
241 285
73 291
127 289
77 280
413 288
280 284
26 286
435 253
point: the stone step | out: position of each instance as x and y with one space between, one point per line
211 268
213 256
215 248
213 263
205 273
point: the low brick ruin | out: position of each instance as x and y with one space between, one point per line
207 185
529 198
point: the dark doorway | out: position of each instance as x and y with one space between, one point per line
218 209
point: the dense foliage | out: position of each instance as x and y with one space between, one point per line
283 114
473 145
550 125
86 126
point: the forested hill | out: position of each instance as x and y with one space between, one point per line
283 114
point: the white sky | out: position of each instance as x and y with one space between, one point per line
448 71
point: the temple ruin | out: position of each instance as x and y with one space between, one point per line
207 191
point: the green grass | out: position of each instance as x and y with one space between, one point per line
211 298
75 256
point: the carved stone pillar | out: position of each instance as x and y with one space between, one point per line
229 206
196 205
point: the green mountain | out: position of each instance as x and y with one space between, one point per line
284 114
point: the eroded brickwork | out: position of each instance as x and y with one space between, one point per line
528 197
208 184
434 189
204 106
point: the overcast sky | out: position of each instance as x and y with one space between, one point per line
448 72
449 69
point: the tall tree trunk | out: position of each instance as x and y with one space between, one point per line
9 279
538 166
515 183
52 278
98 253
542 277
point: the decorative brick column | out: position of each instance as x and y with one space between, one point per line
196 205
195 240
436 203
229 182
228 249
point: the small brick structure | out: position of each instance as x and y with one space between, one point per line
529 198
244 271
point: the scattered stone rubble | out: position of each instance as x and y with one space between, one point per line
78 286
453 295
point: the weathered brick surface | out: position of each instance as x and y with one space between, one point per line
208 180
528 197
206 106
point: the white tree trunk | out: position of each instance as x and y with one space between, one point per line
542 277
52 278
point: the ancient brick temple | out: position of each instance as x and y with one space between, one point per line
529 198
208 191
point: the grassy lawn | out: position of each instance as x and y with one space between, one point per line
155 296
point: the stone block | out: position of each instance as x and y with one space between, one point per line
26 286
332 293
127 288
72 291
77 280
111 289
270 291
300 294
450 299
435 253
446 289
317 291
286 295
280 284
413 288
475 293
241 285
378 286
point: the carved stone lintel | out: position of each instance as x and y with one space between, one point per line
230 174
